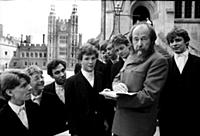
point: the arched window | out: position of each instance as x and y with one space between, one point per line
27 54
22 55
14 53
45 55
14 64
44 63
40 55
36 54
31 54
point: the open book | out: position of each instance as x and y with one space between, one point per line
115 94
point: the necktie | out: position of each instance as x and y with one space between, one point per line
23 117
61 95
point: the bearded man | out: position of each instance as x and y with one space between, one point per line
144 72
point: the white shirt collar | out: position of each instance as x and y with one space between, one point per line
15 107
35 97
181 60
89 76
184 54
57 86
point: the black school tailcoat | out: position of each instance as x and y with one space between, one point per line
85 105
179 100
53 110
11 125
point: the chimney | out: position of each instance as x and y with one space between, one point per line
22 38
43 38
30 38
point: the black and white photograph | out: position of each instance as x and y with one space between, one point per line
99 67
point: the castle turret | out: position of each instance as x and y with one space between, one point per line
74 34
51 42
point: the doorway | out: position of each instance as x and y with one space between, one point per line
140 13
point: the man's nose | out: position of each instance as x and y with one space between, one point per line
119 52
91 61
139 43
41 79
62 73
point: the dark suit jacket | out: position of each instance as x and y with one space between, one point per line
11 125
108 81
77 68
115 68
100 66
179 99
53 110
2 102
86 106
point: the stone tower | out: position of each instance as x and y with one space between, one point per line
74 34
63 37
51 42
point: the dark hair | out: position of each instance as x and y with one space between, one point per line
178 32
104 44
94 42
10 80
87 49
53 64
120 39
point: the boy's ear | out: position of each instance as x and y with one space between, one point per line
9 92
187 43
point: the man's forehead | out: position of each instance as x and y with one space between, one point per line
140 29
89 55
109 46
59 66
37 73
119 45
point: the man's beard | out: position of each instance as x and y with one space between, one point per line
140 55
61 81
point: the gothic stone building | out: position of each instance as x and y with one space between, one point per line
62 43
8 47
63 38
29 54
164 15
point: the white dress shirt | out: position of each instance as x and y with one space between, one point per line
89 76
36 99
181 60
60 92
21 112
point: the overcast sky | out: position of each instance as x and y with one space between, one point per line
30 17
